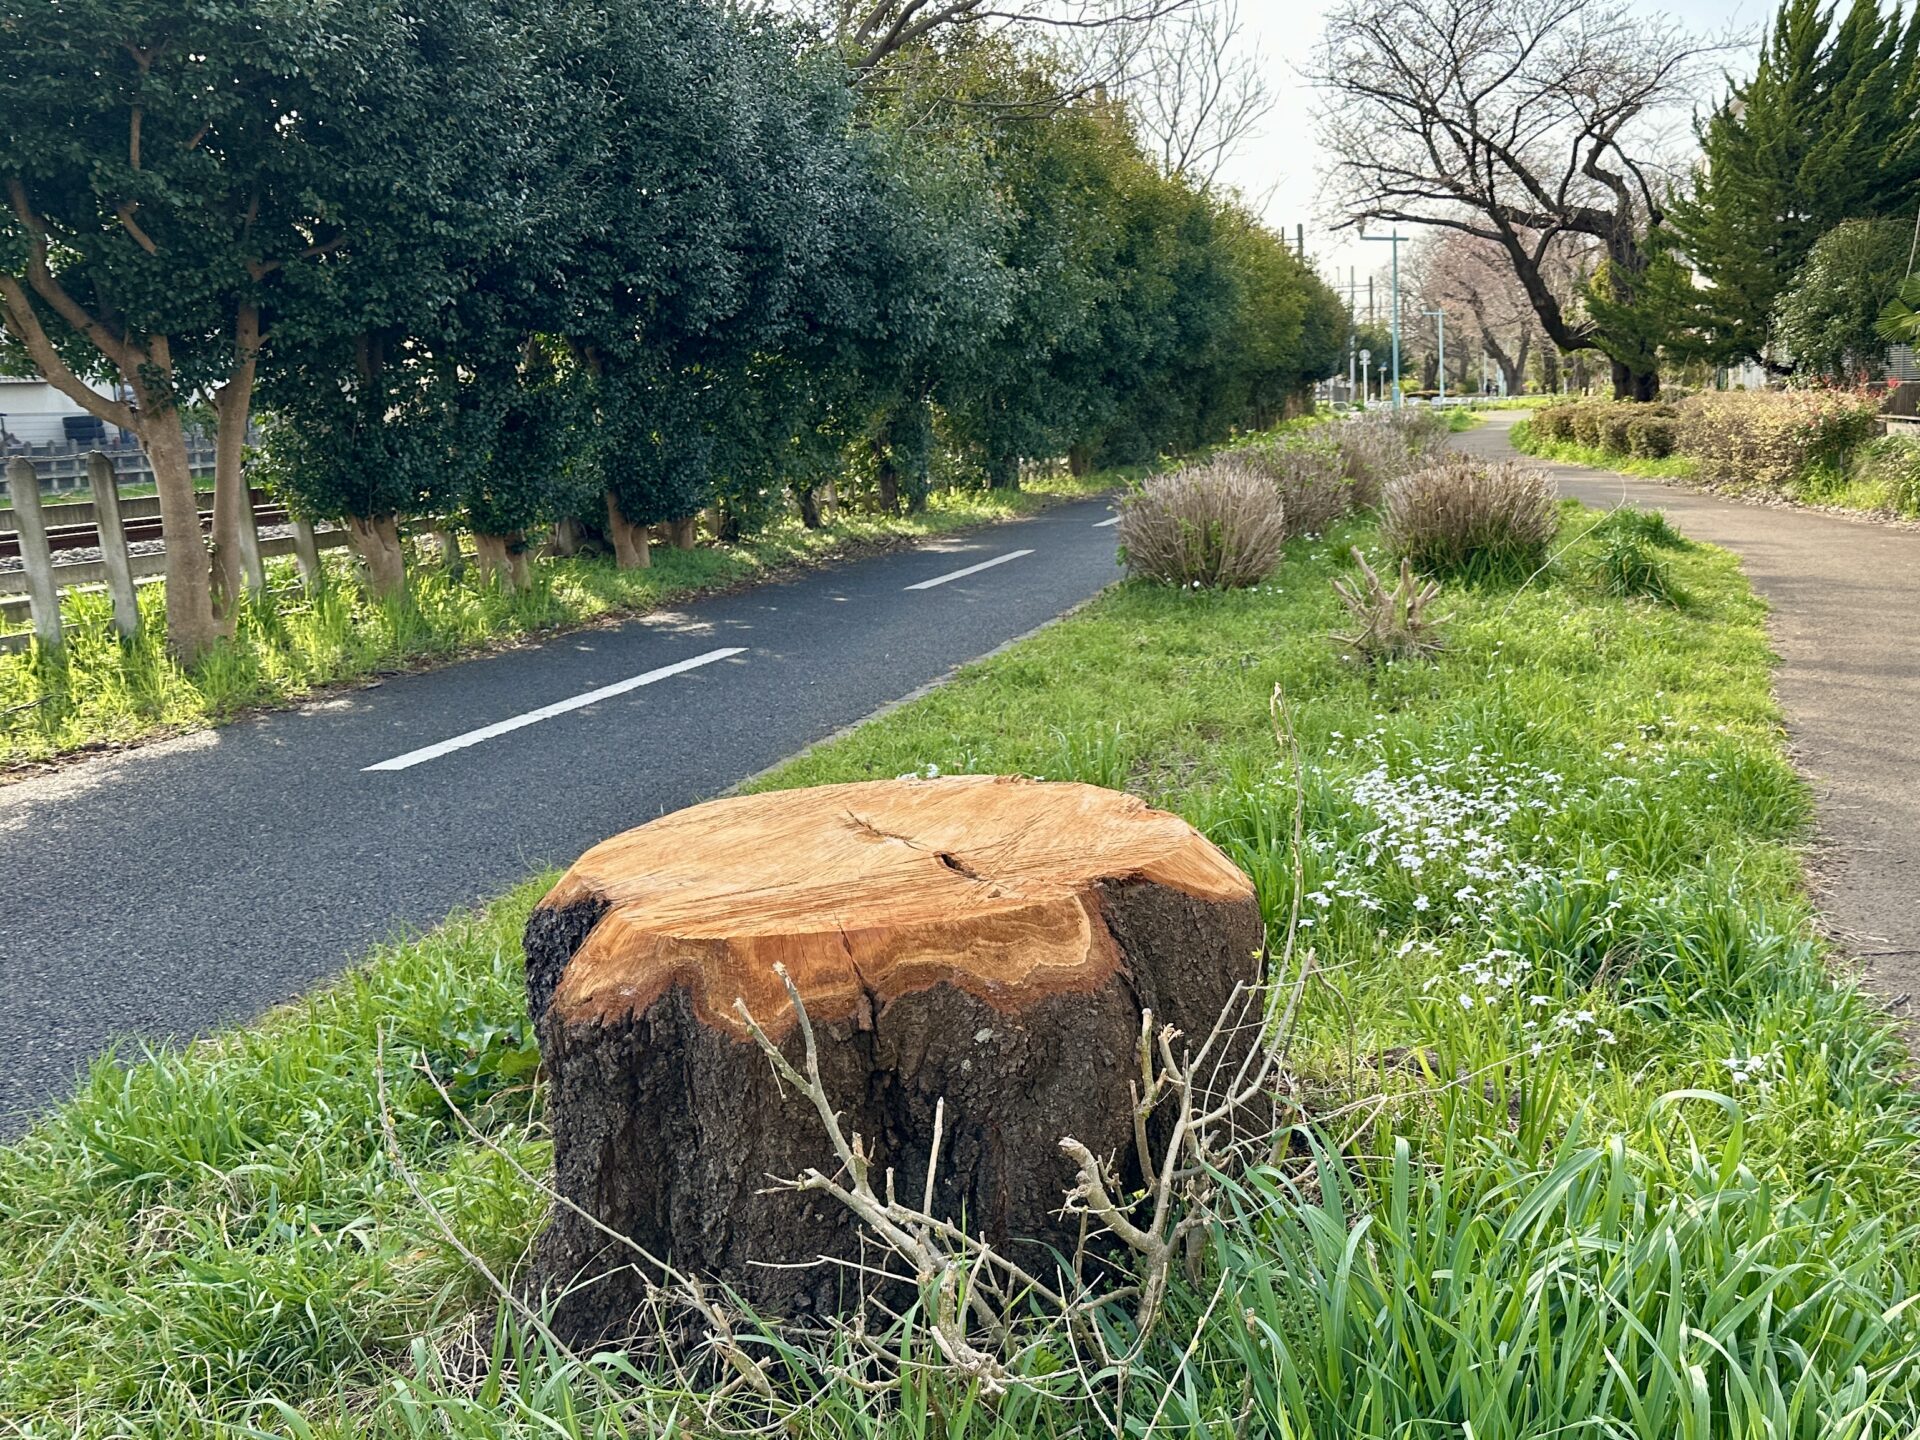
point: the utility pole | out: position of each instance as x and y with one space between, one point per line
1394 240
1440 319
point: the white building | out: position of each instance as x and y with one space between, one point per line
32 412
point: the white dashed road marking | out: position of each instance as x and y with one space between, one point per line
547 712
970 570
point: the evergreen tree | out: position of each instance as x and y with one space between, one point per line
1825 131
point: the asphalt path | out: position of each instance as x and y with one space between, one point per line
1842 593
181 886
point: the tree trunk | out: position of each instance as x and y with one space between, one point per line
807 499
630 550
192 625
236 538
451 559
991 943
684 533
1080 460
886 477
493 557
376 540
519 563
1631 385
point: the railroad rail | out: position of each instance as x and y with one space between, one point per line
68 530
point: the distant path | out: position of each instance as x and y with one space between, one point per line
191 883
1845 597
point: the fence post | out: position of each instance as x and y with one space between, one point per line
113 543
306 552
44 600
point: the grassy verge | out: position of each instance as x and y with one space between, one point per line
1597 1142
1673 467
98 690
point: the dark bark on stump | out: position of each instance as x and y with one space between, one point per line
667 1124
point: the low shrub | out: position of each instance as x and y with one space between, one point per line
1311 478
1651 437
1767 439
1219 525
1464 517
1616 426
1584 427
1423 429
1554 422
1372 451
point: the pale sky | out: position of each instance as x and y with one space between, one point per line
1280 169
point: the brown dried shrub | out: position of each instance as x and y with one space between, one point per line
1218 525
1465 517
1311 478
1392 622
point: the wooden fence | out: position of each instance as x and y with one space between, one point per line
38 533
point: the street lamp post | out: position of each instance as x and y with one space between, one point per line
1394 240
1366 376
1440 319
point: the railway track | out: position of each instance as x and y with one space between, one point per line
85 535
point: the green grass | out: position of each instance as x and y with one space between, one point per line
1516 402
98 690
1673 467
1690 1212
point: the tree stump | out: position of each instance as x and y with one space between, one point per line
991 942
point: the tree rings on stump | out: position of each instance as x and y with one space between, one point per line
987 941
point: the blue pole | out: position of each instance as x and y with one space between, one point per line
1394 240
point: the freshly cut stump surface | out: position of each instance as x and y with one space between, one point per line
991 942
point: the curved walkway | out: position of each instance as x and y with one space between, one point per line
1845 600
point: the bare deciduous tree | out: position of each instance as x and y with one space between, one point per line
1474 282
1195 82
1518 122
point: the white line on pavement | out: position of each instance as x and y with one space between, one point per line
1102 524
547 712
970 570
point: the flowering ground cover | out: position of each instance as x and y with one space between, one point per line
1589 1137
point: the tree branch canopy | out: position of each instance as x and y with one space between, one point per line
1516 121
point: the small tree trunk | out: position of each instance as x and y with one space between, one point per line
1631 385
236 537
376 540
192 625
451 559
519 563
808 501
1080 459
684 533
630 549
490 557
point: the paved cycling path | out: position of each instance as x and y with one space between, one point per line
195 882
1845 599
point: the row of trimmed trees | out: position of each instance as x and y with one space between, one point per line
507 264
